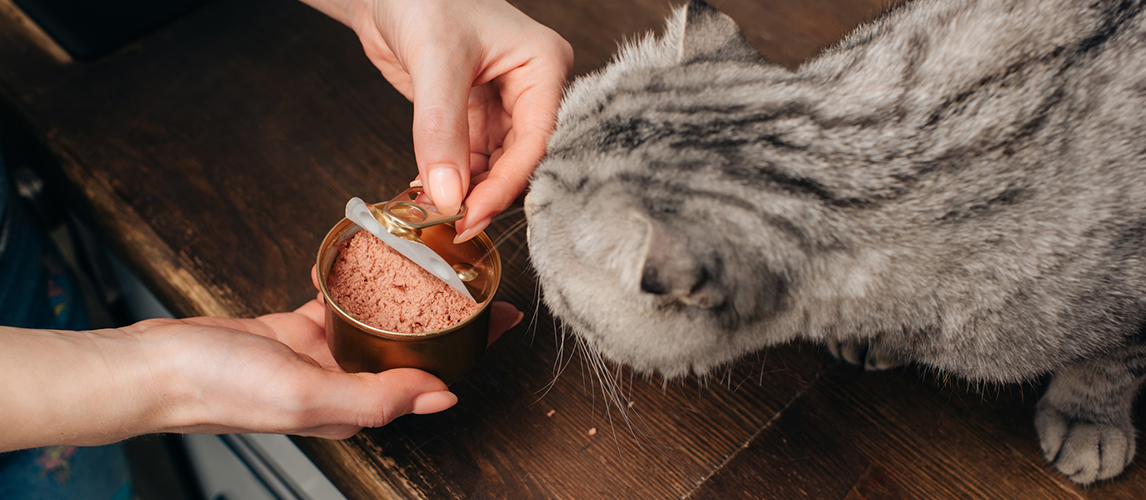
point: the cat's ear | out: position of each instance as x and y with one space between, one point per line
710 35
674 274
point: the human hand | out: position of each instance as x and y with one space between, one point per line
485 80
275 374
271 374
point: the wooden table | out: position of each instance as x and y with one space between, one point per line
215 153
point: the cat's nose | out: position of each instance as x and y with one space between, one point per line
659 281
675 272
691 287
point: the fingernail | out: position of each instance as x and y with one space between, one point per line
471 231
446 189
416 183
520 316
433 402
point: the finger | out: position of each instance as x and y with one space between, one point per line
474 229
495 155
374 400
314 311
534 116
478 164
502 317
504 182
479 178
441 127
314 281
303 331
309 360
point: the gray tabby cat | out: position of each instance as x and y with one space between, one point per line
960 184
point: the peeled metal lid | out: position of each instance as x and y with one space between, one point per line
395 226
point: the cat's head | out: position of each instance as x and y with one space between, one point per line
649 239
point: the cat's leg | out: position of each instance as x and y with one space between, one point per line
872 355
1084 420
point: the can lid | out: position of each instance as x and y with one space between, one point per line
405 242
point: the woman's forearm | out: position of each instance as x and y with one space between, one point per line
78 388
271 374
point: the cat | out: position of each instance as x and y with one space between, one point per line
960 184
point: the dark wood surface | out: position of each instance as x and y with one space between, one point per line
215 154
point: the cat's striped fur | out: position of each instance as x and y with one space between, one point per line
960 184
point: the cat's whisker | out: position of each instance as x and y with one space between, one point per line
560 364
580 348
763 365
611 392
534 321
742 381
509 232
511 211
632 375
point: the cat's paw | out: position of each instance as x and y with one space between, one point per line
870 355
1083 451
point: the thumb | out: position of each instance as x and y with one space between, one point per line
376 399
441 129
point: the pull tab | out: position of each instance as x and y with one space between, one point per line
406 211
404 217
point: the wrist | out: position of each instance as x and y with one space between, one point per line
162 371
134 388
363 17
74 388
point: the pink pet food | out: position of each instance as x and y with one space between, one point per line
382 288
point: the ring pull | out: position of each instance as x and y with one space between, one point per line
405 210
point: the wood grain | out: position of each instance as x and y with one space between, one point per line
20 22
215 154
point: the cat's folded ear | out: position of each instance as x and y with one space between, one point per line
675 274
710 35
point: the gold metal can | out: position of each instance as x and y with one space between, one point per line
447 353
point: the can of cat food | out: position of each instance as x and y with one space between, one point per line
447 353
